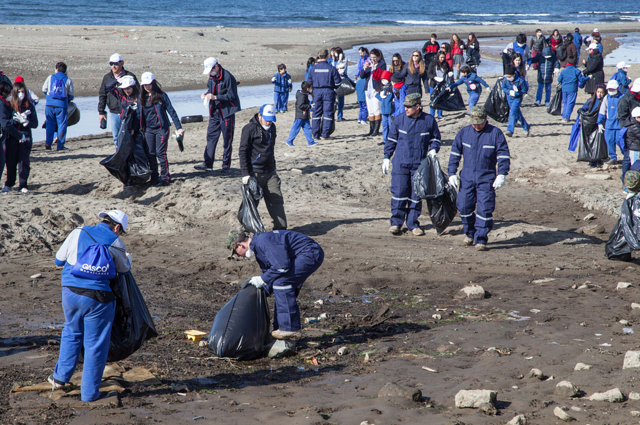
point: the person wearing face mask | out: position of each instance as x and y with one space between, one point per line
608 120
483 147
518 46
594 67
515 87
257 159
628 103
286 259
222 96
8 127
411 138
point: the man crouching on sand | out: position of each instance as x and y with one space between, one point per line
287 259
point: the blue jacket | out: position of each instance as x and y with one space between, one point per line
577 40
361 62
387 102
570 78
324 76
609 112
398 98
361 89
482 151
409 141
518 83
68 86
471 78
282 83
547 63
306 72
622 79
155 116
277 251
225 87
587 107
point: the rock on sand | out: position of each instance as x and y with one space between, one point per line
394 390
631 360
562 415
581 366
472 292
518 420
475 398
566 389
612 396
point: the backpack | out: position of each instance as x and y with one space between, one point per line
95 262
58 89
561 52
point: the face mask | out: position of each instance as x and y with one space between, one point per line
21 96
249 253
613 92
266 127
521 44
510 79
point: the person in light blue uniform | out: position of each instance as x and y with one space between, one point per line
59 90
608 120
571 79
286 259
621 77
483 147
515 87
473 83
282 86
325 79
89 305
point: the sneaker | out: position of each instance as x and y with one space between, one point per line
289 143
313 143
326 138
417 232
508 133
609 162
565 121
546 104
57 385
467 241
528 133
278 334
24 190
537 103
395 230
203 167
481 247
47 147
6 189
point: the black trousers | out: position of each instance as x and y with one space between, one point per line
157 141
217 126
17 158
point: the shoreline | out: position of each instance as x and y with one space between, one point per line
175 54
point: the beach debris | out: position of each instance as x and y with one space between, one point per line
36 276
562 415
624 322
310 320
627 331
612 396
634 396
282 348
366 357
581 366
437 316
634 413
428 369
198 418
545 280
181 389
342 351
394 390
203 343
296 170
635 306
323 316
472 292
631 360
536 373
518 420
194 335
566 389
319 302
589 216
559 269
623 285
474 398
598 176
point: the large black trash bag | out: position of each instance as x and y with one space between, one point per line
444 100
473 57
248 214
346 87
496 106
626 234
429 181
139 171
592 146
442 209
555 106
241 328
132 324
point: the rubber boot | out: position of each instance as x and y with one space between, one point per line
371 125
376 128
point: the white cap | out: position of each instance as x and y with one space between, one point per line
209 63
622 65
147 78
636 112
636 86
612 85
126 81
115 57
593 46
595 30
268 113
118 216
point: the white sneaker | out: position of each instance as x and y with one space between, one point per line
6 189
24 190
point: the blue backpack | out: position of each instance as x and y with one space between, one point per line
58 89
95 262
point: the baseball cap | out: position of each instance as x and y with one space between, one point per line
127 81
115 57
622 65
613 85
636 86
478 115
593 46
233 238
636 112
209 63
268 113
412 100
147 78
118 216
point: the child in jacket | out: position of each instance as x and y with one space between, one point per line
608 120
282 86
571 79
385 95
515 88
303 116
621 77
399 94
473 83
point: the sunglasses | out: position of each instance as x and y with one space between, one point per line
113 63
416 56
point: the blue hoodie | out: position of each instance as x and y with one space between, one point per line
517 83
622 79
282 83
471 78
609 112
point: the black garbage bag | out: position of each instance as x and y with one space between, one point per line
241 328
132 324
444 100
139 171
473 57
626 234
442 209
346 87
496 106
429 181
248 214
592 146
555 106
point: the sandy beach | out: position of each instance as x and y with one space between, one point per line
551 299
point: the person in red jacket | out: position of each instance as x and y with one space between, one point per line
430 50
555 40
448 56
457 49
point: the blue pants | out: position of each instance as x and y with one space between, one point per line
219 125
87 323
295 129
340 106
364 113
285 289
324 100
386 123
157 141
611 137
280 100
116 123
433 111
547 90
568 102
515 115
405 204
56 118
476 203
473 99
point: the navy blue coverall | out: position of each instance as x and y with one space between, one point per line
482 151
409 141
287 259
325 78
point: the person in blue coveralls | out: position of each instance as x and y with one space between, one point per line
515 87
483 146
473 83
88 303
608 120
282 85
59 90
411 138
286 259
325 79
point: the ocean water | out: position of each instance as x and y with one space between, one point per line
306 13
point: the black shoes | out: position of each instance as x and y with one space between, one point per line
203 167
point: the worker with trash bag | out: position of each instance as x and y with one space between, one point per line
483 146
286 259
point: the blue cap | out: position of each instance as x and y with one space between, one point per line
268 113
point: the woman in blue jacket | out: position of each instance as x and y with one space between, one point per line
155 105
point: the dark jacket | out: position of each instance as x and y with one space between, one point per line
256 148
225 88
590 105
413 80
325 76
302 105
594 68
633 136
429 51
376 75
155 116
626 104
106 98
409 141
572 53
431 71
125 102
547 62
5 78
538 43
32 117
8 127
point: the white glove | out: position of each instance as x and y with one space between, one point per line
453 181
601 128
556 71
128 257
340 56
385 165
432 153
498 182
257 282
512 93
273 80
245 179
24 116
